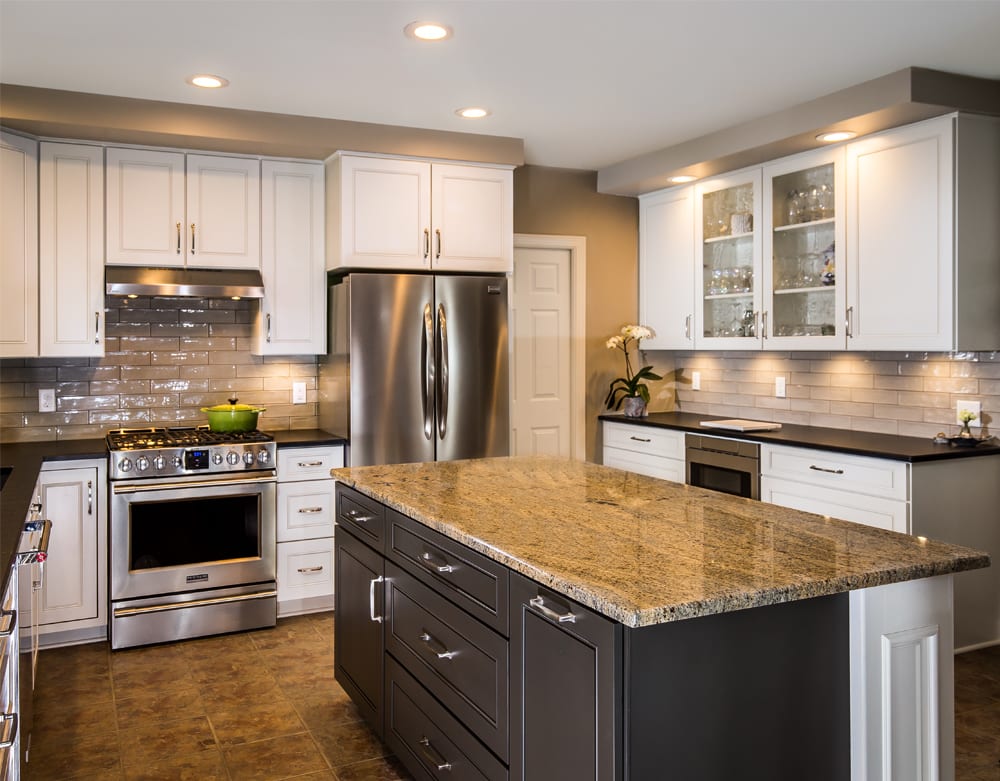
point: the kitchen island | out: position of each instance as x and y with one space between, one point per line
654 630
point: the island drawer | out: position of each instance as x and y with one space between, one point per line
470 580
858 474
427 738
645 439
363 516
460 661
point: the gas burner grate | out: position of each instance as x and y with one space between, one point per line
152 438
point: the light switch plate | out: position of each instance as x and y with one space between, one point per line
298 393
975 407
46 399
695 380
779 387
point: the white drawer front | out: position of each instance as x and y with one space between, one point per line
874 511
309 463
857 474
305 510
653 466
305 569
645 439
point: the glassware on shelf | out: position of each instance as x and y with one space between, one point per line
829 274
825 202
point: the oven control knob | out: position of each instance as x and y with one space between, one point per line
248 458
217 458
176 462
233 457
142 463
263 457
125 465
159 462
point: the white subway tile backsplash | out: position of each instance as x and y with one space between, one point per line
165 359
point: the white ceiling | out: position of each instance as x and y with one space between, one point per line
585 84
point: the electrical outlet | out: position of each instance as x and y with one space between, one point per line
975 407
47 400
779 387
298 393
695 380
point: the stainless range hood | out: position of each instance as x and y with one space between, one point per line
189 282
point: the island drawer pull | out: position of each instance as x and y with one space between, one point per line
437 647
371 599
357 517
432 755
435 563
824 469
640 439
563 618
7 619
8 730
310 510
305 570
310 463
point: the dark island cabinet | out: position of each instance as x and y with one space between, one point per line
358 640
565 692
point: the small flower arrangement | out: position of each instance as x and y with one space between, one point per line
966 416
631 385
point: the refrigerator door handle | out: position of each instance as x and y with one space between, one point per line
427 389
442 396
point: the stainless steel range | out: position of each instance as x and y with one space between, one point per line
192 546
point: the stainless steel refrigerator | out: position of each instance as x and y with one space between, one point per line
417 368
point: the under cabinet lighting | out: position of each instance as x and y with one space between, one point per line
207 80
836 135
473 112
427 31
682 179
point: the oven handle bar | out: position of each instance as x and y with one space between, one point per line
158 486
123 612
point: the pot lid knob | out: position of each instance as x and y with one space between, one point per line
233 400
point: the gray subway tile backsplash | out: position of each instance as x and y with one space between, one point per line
165 358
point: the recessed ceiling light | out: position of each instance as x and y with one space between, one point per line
473 112
207 81
682 179
427 31
836 135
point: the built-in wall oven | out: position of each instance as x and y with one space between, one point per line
192 547
728 465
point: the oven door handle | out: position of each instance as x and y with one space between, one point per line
123 612
132 488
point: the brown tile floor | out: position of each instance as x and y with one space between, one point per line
258 706
263 706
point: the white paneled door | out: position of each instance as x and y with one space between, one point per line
541 408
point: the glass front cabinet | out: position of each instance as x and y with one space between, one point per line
803 243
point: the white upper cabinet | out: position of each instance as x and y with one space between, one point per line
900 239
728 276
386 213
292 315
803 209
667 268
172 209
71 249
18 246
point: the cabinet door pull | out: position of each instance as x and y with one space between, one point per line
371 599
305 464
847 321
437 647
824 469
687 328
178 238
432 756
763 324
97 327
435 563
640 439
427 243
437 234
268 326
563 618
310 510
90 497
192 238
357 517
304 570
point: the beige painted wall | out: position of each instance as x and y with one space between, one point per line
566 202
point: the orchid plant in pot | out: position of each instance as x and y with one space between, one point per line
630 391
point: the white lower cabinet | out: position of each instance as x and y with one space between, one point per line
305 527
656 452
74 600
902 682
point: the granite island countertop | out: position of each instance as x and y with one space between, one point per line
644 551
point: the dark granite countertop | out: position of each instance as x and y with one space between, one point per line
862 443
308 437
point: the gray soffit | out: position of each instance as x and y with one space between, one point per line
190 283
899 98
